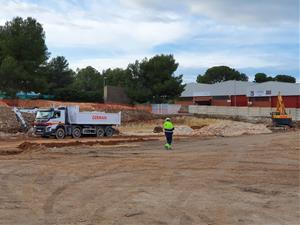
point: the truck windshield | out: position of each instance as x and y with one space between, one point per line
44 114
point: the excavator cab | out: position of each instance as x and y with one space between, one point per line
280 117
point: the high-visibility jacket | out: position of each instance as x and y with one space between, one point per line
168 127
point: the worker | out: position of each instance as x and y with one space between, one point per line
168 128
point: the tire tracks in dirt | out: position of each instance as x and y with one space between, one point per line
49 204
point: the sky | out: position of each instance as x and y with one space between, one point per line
250 36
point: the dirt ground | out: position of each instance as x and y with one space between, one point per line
251 179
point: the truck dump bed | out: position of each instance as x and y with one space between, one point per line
92 118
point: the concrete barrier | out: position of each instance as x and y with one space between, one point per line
240 111
165 108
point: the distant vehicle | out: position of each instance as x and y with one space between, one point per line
69 121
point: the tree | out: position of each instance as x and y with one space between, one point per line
89 85
262 77
22 52
136 87
58 74
115 77
153 80
285 78
221 73
11 76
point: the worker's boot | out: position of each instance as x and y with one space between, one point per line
167 146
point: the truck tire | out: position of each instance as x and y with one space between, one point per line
109 131
60 133
100 132
76 132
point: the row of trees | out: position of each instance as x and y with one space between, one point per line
25 66
223 73
151 80
262 77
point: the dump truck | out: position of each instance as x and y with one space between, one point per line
69 121
280 117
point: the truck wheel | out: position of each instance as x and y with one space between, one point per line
100 132
76 133
60 133
109 131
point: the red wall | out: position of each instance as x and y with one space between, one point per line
185 103
224 102
239 100
289 101
202 100
242 100
260 101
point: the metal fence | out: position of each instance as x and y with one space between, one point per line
165 108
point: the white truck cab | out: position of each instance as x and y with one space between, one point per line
69 121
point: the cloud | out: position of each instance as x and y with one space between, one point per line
200 34
70 25
107 62
237 12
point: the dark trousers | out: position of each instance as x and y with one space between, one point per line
169 137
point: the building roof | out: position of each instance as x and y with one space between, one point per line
232 87
192 88
272 88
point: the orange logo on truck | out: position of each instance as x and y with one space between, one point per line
95 117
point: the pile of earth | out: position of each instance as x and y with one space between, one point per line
29 119
228 128
223 128
8 120
133 115
179 130
183 130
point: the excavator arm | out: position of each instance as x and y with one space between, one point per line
280 117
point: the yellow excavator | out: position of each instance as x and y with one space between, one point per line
280 117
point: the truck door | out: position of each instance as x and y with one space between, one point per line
58 117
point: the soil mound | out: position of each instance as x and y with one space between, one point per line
232 128
8 120
132 115
158 129
183 130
